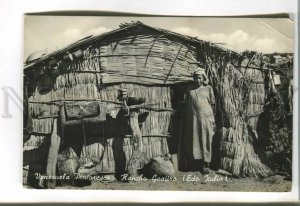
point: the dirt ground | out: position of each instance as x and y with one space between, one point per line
194 181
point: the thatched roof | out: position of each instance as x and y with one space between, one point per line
124 29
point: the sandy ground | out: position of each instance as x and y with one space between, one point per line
195 181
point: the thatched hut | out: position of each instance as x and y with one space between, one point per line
151 63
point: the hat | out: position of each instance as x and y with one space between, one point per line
200 71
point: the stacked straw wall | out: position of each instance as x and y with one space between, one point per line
155 127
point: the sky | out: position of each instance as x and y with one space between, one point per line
265 35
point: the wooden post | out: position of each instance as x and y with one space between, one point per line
174 159
136 158
135 129
52 156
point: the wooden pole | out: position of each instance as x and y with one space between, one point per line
52 156
151 49
136 158
135 129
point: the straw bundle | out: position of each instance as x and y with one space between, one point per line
255 74
43 105
35 141
38 109
238 98
256 95
88 91
103 154
75 78
92 152
40 104
93 64
251 166
238 156
42 126
234 166
257 98
68 163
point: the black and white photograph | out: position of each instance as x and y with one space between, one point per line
158 103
